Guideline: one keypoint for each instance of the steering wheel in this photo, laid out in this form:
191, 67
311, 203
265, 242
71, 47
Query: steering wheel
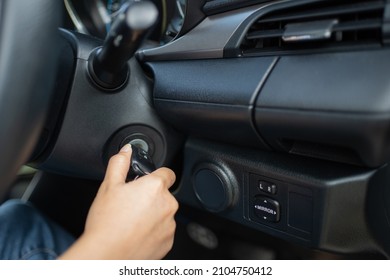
28, 63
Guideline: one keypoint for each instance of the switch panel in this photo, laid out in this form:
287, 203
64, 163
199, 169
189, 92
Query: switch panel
280, 205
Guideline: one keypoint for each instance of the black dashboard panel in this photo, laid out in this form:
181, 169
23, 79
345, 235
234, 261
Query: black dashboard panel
337, 100
354, 82
219, 101
218, 81
325, 107
331, 106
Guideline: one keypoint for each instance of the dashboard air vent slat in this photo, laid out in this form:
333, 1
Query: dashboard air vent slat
319, 25
362, 25
334, 9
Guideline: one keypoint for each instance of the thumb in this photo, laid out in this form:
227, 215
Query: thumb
118, 166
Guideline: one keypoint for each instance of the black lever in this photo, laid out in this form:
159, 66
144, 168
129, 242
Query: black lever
108, 65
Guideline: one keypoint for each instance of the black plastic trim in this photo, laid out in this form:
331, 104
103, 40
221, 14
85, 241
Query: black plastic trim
216, 97
336, 199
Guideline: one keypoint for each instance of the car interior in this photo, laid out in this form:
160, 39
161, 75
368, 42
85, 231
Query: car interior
274, 115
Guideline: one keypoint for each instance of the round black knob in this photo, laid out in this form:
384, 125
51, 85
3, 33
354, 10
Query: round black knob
213, 188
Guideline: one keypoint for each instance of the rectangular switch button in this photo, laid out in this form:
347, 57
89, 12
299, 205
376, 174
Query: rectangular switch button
267, 187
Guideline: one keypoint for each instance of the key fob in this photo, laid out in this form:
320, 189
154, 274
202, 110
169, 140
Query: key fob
141, 162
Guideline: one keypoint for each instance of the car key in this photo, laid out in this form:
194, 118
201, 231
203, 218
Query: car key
141, 162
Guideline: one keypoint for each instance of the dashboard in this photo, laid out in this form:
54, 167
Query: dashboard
279, 111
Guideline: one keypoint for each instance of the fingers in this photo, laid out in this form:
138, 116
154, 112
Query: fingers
163, 176
118, 166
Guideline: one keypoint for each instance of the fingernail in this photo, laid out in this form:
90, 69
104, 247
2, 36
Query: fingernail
126, 148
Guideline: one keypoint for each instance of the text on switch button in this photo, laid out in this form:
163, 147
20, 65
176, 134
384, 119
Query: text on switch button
267, 187
267, 209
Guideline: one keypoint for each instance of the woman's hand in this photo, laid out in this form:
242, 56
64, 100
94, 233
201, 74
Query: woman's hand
133, 220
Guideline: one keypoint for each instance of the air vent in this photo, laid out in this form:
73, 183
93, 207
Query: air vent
329, 25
